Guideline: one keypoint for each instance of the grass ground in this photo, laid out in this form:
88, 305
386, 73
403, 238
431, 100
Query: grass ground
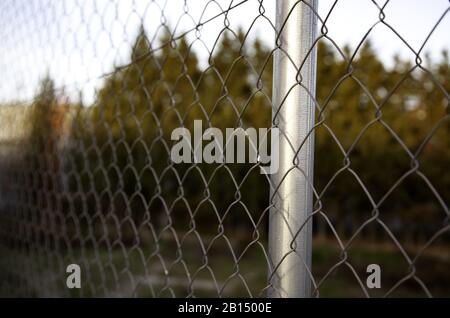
126, 271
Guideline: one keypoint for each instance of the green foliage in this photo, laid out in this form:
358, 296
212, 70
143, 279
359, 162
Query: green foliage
372, 132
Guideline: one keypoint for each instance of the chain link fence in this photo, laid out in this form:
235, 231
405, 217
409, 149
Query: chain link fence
92, 91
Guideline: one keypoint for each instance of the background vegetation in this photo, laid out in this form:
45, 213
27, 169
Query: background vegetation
106, 183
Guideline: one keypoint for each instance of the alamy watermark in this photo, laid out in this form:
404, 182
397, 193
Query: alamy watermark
239, 146
73, 279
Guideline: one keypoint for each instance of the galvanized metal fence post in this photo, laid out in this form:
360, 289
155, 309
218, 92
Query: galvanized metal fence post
290, 230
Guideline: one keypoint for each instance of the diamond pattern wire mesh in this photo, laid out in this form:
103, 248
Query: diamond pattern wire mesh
86, 175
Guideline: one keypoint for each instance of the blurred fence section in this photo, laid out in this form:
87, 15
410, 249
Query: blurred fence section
91, 92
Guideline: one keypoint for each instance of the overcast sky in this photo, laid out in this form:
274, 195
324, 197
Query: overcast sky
77, 41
